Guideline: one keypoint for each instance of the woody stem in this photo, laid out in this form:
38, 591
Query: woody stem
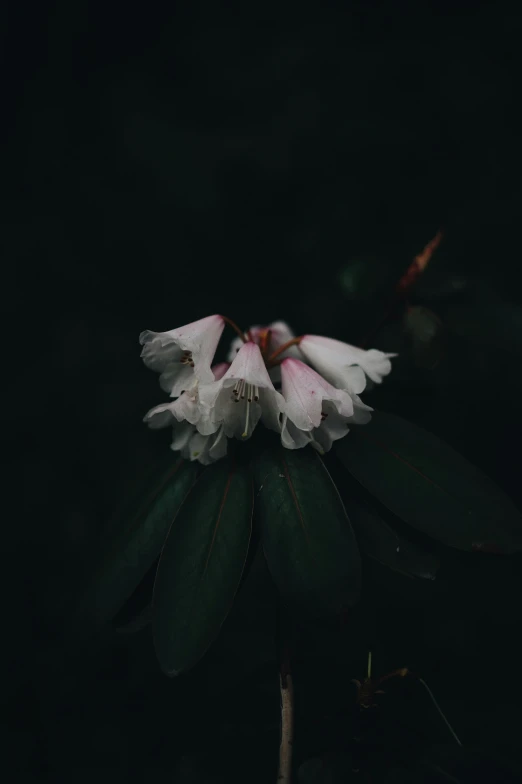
235, 328
277, 352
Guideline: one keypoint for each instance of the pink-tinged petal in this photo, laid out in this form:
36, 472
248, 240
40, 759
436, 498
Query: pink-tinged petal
199, 337
219, 370
332, 359
236, 343
304, 391
240, 410
160, 416
249, 366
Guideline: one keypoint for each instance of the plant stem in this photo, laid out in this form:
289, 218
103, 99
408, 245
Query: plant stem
284, 775
434, 701
277, 352
235, 328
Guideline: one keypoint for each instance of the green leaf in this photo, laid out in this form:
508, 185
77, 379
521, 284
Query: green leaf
308, 542
130, 549
201, 566
431, 487
379, 541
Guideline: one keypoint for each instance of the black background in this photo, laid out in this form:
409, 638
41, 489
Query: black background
163, 163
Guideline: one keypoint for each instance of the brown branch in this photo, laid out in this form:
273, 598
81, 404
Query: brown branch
277, 352
235, 328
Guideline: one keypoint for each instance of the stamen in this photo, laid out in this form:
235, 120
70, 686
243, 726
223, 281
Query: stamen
256, 393
245, 433
249, 393
242, 390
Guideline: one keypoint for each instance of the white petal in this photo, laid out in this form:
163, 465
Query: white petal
304, 391
209, 393
218, 448
272, 406
280, 334
199, 337
292, 437
187, 407
376, 364
332, 358
234, 348
176, 378
354, 380
241, 418
333, 427
157, 351
361, 412
159, 416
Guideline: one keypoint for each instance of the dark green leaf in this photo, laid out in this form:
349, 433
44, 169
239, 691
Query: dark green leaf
427, 484
201, 566
129, 551
380, 542
307, 538
137, 623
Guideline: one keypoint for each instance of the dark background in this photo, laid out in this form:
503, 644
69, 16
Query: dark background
162, 163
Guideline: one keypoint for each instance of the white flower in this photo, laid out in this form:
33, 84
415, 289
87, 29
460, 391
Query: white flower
242, 396
183, 353
194, 446
186, 407
333, 359
304, 392
317, 413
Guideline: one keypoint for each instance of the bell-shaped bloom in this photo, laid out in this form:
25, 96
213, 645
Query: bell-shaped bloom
333, 359
183, 353
241, 397
317, 413
273, 336
306, 393
333, 426
186, 407
194, 446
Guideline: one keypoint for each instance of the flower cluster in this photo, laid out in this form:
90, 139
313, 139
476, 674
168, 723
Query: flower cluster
306, 389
